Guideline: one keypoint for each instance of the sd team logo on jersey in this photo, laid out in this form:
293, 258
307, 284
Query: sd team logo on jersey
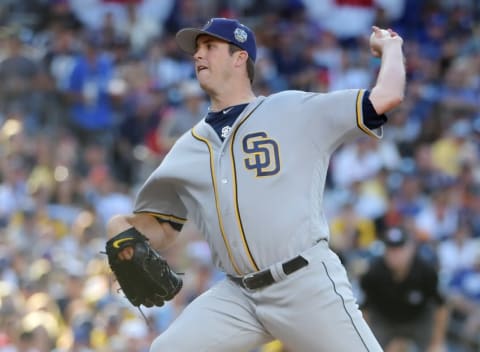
263, 154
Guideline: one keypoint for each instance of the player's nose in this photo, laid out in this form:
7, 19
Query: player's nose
198, 54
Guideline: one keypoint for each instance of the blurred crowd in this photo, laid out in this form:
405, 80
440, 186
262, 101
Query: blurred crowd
93, 94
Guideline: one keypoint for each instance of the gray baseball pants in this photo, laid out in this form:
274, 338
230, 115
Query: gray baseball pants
310, 310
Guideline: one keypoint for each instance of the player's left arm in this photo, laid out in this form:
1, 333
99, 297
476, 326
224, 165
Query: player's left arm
389, 89
160, 234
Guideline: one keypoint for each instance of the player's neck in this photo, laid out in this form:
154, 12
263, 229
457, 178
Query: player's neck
223, 100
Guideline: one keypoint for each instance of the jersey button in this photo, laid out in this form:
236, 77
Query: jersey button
224, 181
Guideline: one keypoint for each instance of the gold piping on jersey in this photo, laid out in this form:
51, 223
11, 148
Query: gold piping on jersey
235, 193
359, 111
217, 205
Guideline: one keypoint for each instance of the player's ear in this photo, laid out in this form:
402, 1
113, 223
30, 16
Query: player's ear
241, 57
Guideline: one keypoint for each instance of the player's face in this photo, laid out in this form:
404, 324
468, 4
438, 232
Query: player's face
213, 63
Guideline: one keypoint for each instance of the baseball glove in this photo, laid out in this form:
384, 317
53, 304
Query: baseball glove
146, 279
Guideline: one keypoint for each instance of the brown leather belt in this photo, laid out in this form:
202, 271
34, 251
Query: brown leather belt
265, 278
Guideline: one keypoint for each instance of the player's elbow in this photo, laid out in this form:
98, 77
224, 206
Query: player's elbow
393, 102
386, 102
398, 98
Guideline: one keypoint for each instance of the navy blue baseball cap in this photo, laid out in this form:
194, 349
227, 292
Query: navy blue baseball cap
229, 30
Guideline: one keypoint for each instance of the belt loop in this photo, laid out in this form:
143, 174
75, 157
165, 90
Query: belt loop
277, 272
311, 253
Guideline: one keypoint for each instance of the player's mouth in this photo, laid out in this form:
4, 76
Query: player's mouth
201, 68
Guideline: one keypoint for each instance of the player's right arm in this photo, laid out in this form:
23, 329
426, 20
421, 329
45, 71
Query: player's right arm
389, 89
160, 234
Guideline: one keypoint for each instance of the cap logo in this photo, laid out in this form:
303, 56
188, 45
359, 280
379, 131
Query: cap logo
240, 35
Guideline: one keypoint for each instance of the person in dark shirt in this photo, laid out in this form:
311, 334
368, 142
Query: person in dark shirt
402, 301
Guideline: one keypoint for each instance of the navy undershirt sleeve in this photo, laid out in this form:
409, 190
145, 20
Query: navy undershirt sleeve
175, 225
370, 117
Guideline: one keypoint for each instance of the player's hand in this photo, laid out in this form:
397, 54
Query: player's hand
146, 279
381, 38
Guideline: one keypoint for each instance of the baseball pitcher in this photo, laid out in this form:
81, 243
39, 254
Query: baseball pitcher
251, 176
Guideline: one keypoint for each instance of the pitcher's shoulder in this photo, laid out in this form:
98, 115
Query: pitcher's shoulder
287, 96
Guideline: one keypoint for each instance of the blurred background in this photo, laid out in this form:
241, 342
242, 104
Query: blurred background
93, 93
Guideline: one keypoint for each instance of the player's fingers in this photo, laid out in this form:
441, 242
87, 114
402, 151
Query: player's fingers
379, 33
392, 33
126, 253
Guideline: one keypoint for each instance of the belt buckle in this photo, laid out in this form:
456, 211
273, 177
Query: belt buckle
245, 278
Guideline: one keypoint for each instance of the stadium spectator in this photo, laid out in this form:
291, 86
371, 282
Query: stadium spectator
464, 298
458, 252
89, 95
17, 73
178, 120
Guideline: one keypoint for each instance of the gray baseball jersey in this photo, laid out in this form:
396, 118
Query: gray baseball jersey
257, 196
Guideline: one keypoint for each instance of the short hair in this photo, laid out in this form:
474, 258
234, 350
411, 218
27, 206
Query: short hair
250, 64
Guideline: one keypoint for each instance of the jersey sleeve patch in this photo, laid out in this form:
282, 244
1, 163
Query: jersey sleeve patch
367, 118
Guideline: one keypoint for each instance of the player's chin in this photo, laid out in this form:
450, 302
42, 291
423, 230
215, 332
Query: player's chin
204, 83
201, 72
